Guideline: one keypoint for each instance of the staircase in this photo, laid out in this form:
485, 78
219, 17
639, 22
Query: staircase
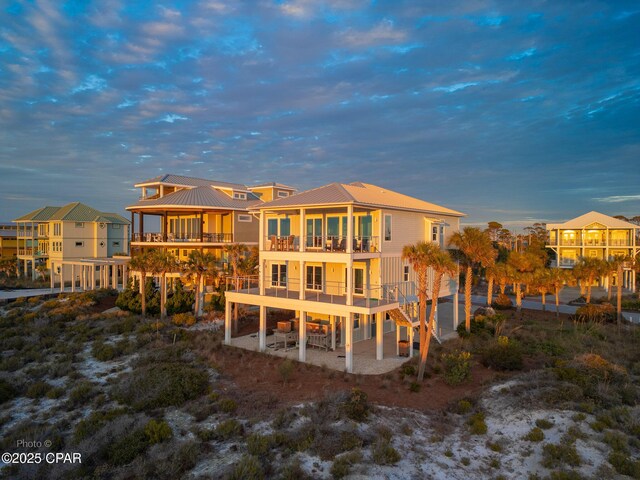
400, 316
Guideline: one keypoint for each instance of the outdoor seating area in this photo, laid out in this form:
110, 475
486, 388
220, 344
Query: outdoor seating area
287, 334
329, 243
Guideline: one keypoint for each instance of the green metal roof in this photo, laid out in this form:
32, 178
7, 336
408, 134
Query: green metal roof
40, 215
73, 212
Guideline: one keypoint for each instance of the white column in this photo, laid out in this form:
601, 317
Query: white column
114, 276
380, 335
303, 280
62, 277
52, 276
411, 332
227, 323
261, 231
125, 276
263, 328
350, 229
92, 277
33, 268
332, 319
302, 232
302, 337
73, 277
348, 344
398, 341
455, 308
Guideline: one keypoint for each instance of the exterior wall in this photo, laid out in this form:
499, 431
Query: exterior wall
8, 247
267, 194
245, 232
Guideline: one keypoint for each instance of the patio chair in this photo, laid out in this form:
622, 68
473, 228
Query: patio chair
290, 242
343, 245
273, 241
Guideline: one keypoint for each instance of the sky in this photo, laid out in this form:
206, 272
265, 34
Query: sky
505, 110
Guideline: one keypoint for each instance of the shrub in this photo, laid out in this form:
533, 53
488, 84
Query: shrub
505, 356
38, 389
285, 369
248, 468
183, 319
617, 441
55, 392
357, 406
414, 387
502, 302
625, 465
603, 313
457, 367
227, 405
477, 425
157, 432
104, 351
7, 391
383, 453
258, 445
535, 435
408, 369
341, 466
227, 429
161, 385
544, 424
94, 422
179, 300
83, 392
126, 449
464, 406
555, 455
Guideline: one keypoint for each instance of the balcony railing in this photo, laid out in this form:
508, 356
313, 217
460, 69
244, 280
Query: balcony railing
31, 252
322, 243
619, 243
327, 292
172, 237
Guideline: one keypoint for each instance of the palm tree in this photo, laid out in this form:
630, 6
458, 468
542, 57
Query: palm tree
490, 275
542, 284
522, 265
198, 266
609, 269
235, 252
557, 278
162, 263
501, 274
588, 269
142, 263
421, 256
477, 249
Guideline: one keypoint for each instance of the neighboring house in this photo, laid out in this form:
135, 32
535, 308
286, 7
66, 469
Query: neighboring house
8, 241
334, 256
56, 235
594, 235
195, 213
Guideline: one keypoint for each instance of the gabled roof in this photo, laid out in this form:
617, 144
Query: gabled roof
199, 197
72, 212
358, 193
590, 218
40, 215
180, 180
274, 185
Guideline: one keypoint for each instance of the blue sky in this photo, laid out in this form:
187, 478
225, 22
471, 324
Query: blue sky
505, 111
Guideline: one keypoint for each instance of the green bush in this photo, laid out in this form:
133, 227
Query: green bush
179, 300
126, 449
227, 405
38, 389
227, 429
502, 302
535, 435
556, 455
463, 406
544, 424
503, 356
414, 387
161, 385
286, 369
104, 351
383, 453
625, 465
183, 319
157, 432
617, 441
603, 313
82, 393
94, 422
7, 391
258, 445
248, 468
477, 425
341, 466
457, 367
129, 298
357, 405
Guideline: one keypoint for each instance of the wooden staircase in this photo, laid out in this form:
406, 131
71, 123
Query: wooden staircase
401, 317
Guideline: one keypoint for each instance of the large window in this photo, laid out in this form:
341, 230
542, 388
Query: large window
314, 277
387, 228
57, 229
358, 280
278, 275
364, 226
314, 232
280, 227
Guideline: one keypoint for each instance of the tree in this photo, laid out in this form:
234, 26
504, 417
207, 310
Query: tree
609, 269
162, 263
142, 263
587, 270
476, 249
542, 284
235, 252
422, 256
490, 275
501, 275
200, 265
557, 278
619, 262
493, 229
521, 266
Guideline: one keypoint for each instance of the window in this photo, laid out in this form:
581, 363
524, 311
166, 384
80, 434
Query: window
116, 226
358, 280
356, 321
278, 275
434, 233
314, 277
239, 195
79, 244
314, 232
244, 218
283, 194
405, 276
57, 228
593, 253
79, 224
115, 244
279, 227
387, 228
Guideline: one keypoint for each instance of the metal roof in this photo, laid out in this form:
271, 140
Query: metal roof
590, 218
199, 197
273, 184
40, 215
359, 194
180, 180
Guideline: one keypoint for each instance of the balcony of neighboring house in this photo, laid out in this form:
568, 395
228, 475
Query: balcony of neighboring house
182, 238
327, 292
31, 252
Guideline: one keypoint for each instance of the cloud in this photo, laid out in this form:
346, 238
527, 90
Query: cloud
383, 33
618, 198
91, 82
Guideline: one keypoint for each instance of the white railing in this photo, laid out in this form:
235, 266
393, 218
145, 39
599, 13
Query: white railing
322, 243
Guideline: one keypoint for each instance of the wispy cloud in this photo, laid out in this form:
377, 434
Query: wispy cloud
618, 198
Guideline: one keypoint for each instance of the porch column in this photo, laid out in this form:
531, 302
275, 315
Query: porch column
380, 336
114, 278
303, 280
343, 332
263, 328
350, 229
348, 344
125, 278
302, 337
73, 278
51, 276
455, 308
302, 232
366, 324
332, 320
349, 286
62, 277
227, 323
93, 277
101, 276
398, 341
33, 267
411, 332
435, 318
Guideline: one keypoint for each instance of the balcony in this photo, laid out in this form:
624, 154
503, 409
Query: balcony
619, 243
329, 292
326, 243
178, 238
31, 252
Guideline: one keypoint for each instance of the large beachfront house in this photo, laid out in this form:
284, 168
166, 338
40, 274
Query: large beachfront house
594, 235
195, 213
333, 255
55, 237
